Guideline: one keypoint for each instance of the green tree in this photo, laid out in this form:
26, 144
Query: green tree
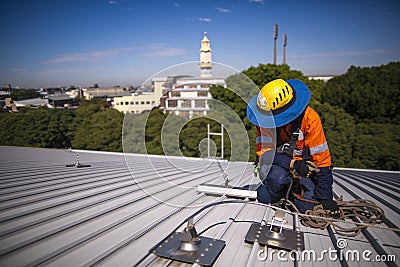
369, 94
376, 146
133, 134
340, 131
102, 131
193, 138
28, 127
154, 125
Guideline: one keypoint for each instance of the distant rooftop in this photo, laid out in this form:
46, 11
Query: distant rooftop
33, 102
325, 78
59, 97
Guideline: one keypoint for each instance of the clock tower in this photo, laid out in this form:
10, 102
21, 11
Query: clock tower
205, 57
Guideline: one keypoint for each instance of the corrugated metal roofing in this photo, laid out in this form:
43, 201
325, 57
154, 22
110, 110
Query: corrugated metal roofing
100, 215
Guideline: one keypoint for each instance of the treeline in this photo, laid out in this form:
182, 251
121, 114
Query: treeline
359, 111
366, 133
92, 126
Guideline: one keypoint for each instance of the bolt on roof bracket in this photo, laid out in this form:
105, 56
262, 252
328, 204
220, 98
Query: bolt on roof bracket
189, 238
188, 247
77, 164
275, 235
278, 220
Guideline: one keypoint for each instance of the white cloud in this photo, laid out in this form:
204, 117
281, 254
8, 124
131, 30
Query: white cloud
113, 2
152, 50
176, 4
204, 19
96, 55
160, 50
257, 1
223, 10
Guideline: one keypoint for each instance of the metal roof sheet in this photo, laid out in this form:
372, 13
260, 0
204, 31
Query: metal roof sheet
60, 97
33, 102
113, 212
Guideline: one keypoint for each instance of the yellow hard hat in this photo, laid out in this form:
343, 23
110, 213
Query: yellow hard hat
278, 103
274, 95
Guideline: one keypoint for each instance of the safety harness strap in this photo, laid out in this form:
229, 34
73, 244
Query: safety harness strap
288, 148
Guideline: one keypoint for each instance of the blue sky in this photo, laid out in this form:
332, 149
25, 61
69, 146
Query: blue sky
123, 42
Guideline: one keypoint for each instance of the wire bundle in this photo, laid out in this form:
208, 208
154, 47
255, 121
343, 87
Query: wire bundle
365, 210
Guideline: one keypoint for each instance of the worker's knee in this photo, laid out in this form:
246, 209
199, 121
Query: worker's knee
276, 182
278, 176
263, 195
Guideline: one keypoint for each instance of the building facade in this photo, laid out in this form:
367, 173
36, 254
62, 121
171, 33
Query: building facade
140, 101
188, 97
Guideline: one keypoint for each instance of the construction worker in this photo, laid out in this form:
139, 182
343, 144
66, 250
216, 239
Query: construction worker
291, 144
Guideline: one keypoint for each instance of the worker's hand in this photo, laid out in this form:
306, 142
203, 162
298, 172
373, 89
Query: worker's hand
301, 168
331, 207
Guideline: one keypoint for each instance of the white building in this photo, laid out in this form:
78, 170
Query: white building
324, 78
188, 96
141, 101
205, 57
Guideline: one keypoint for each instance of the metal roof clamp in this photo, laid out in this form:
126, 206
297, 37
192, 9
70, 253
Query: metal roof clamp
190, 241
188, 247
275, 235
276, 226
77, 164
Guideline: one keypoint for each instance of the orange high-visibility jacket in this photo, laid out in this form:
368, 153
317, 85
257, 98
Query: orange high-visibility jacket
311, 140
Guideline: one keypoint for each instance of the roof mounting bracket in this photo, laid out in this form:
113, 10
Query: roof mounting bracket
275, 235
188, 247
77, 164
278, 220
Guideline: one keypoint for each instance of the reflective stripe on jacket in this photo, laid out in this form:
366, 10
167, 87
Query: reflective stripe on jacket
311, 139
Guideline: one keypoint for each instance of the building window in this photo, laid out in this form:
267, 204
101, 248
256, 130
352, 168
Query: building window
147, 102
117, 103
202, 93
187, 104
142, 103
122, 103
132, 103
127, 103
172, 103
137, 103
153, 102
200, 103
175, 94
